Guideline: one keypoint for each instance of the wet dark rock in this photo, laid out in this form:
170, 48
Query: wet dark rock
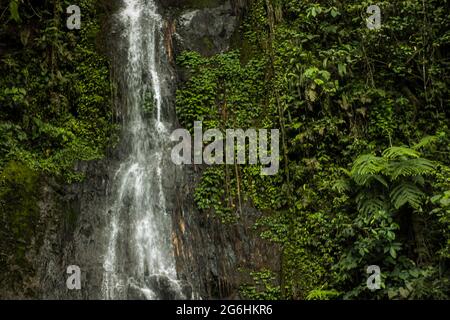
214, 257
206, 31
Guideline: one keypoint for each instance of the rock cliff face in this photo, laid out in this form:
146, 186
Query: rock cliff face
207, 31
216, 258
212, 259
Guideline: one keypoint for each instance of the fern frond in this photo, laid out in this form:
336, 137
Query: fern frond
424, 142
367, 164
345, 171
368, 204
367, 179
410, 167
362, 179
406, 193
418, 180
393, 153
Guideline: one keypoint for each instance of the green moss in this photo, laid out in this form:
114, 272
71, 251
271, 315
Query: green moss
19, 187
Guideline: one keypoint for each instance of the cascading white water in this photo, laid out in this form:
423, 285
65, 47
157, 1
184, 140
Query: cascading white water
139, 261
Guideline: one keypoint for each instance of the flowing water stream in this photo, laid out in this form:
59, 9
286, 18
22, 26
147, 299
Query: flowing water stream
139, 261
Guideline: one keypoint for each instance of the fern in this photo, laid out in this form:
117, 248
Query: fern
400, 153
418, 180
425, 142
406, 193
366, 179
369, 203
410, 167
400, 170
368, 164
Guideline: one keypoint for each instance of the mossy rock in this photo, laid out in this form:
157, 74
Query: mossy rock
19, 187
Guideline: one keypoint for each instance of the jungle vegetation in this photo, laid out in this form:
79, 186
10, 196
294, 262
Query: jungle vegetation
364, 118
55, 110
365, 141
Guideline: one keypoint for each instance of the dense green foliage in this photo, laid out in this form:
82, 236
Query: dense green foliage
55, 109
364, 119
55, 89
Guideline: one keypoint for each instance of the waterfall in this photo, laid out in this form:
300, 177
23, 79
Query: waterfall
139, 261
